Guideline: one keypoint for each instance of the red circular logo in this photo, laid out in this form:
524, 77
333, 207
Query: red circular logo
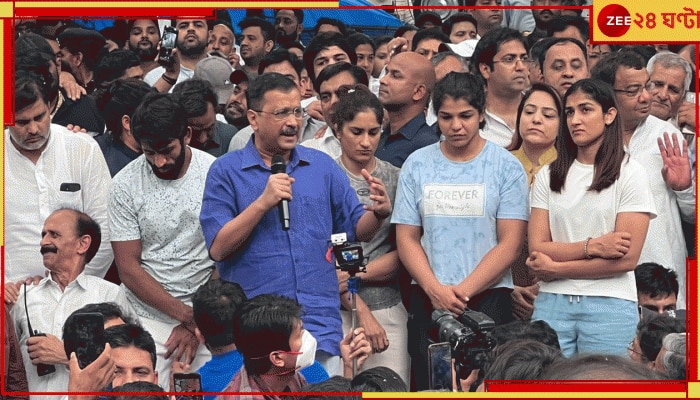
614, 20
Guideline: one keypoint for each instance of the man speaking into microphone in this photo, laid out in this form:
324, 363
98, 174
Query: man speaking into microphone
246, 234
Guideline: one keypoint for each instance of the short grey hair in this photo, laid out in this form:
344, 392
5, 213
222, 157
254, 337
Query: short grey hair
668, 59
441, 56
674, 360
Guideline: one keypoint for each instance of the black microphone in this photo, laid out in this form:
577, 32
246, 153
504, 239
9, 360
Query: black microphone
279, 167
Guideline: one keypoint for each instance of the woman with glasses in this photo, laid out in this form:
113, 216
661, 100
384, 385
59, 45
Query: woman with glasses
537, 126
461, 212
357, 119
590, 213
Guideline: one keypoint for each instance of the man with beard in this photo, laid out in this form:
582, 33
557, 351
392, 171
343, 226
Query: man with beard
190, 47
404, 92
501, 59
46, 168
154, 209
237, 104
198, 98
486, 20
34, 53
288, 26
79, 51
258, 41
223, 41
69, 240
144, 35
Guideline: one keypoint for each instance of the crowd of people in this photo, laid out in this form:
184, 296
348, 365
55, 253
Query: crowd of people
500, 164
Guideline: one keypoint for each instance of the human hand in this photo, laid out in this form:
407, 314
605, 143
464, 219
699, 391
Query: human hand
73, 90
343, 277
316, 112
234, 58
279, 187
676, 170
375, 333
396, 46
95, 377
355, 346
541, 266
381, 205
444, 297
76, 128
182, 343
611, 245
46, 350
523, 299
12, 292
177, 367
686, 115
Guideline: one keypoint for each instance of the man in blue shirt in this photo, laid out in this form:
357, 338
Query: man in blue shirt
405, 91
240, 221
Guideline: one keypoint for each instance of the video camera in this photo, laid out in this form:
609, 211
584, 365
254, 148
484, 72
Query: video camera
470, 338
349, 255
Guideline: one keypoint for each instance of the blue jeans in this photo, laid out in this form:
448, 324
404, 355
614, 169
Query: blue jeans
589, 324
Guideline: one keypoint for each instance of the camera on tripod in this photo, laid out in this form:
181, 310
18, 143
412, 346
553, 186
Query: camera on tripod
470, 338
349, 255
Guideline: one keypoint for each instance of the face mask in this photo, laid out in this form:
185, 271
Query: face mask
307, 351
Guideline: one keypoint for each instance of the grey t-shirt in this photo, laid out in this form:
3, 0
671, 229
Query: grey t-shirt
384, 295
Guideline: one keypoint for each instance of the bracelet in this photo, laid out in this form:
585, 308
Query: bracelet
585, 248
188, 329
170, 81
379, 216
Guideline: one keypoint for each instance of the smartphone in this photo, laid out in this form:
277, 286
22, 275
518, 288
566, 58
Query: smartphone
440, 367
188, 382
69, 187
89, 337
167, 44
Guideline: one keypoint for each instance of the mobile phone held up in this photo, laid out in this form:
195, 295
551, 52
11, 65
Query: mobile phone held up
167, 44
88, 339
188, 383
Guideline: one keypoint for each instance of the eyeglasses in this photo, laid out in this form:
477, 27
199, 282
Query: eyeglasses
636, 90
631, 350
511, 60
657, 85
284, 113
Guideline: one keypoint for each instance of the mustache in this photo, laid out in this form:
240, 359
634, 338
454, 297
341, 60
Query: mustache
48, 249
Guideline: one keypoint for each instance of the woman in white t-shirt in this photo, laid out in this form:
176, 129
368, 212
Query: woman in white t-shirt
590, 213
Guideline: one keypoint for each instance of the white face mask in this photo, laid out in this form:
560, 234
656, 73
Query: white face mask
307, 350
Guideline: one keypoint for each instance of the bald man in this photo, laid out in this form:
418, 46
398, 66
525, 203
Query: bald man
404, 92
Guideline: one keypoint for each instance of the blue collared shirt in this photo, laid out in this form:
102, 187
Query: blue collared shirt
397, 146
289, 263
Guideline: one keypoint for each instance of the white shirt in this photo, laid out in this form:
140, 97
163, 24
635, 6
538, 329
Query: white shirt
328, 144
665, 243
496, 130
152, 77
577, 213
48, 309
164, 216
32, 192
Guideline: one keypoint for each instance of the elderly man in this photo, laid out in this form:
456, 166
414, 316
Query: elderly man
242, 226
46, 168
69, 240
661, 149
